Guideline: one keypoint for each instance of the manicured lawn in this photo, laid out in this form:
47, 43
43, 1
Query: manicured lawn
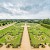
39, 35
12, 35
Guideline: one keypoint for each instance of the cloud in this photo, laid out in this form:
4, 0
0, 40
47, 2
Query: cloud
25, 9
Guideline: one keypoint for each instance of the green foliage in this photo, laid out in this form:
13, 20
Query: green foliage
5, 22
46, 21
49, 44
1, 45
12, 35
39, 35
43, 46
36, 45
45, 25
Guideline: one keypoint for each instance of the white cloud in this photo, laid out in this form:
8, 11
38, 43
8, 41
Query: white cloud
5, 16
40, 15
25, 9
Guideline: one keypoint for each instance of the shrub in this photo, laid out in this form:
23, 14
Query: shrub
8, 46
5, 43
49, 44
0, 24
43, 46
1, 45
36, 45
14, 46
45, 25
3, 24
45, 43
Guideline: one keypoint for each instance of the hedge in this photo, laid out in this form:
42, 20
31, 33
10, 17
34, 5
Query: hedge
45, 25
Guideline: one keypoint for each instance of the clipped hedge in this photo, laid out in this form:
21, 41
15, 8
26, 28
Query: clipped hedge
45, 25
43, 46
36, 45
49, 44
8, 46
1, 45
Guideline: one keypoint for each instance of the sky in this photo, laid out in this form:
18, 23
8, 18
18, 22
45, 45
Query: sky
24, 9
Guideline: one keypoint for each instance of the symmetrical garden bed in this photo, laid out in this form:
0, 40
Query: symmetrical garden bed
39, 35
11, 36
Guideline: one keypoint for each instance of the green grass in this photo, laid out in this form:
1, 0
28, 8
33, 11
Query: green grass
38, 34
12, 35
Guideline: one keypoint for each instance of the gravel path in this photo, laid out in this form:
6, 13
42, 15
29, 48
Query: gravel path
25, 45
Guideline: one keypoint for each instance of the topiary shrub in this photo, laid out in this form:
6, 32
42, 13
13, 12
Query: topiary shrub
5, 42
45, 25
43, 46
3, 24
49, 44
45, 43
8, 46
36, 45
15, 46
0, 24
1, 45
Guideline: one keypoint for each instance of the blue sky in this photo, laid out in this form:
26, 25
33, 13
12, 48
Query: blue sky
24, 9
